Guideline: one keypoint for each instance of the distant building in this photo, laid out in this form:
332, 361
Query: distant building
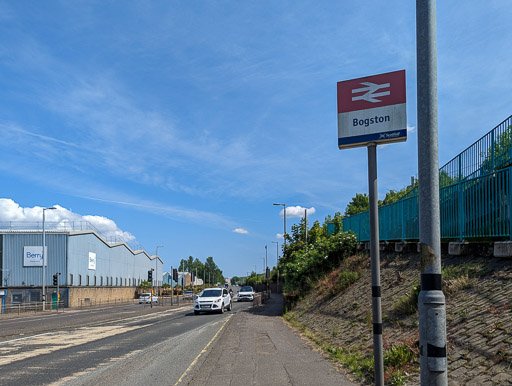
167, 279
91, 268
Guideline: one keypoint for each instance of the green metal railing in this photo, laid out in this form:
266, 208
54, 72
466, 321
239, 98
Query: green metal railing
475, 196
491, 152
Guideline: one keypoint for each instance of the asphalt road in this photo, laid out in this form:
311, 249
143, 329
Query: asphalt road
114, 346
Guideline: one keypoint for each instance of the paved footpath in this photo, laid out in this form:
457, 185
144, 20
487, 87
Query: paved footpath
258, 348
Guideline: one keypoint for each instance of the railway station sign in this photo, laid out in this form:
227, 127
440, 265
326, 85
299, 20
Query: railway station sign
372, 109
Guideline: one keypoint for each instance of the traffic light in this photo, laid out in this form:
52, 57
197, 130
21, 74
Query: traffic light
55, 279
150, 275
175, 275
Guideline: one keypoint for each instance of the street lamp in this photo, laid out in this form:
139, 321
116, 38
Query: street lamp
262, 258
266, 266
156, 264
277, 262
44, 257
284, 234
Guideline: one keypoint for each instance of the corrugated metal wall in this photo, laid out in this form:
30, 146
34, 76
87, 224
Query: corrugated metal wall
116, 265
14, 274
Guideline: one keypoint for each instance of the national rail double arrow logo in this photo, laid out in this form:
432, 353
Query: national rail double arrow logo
371, 93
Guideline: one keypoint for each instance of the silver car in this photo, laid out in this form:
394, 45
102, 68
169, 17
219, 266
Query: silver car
246, 293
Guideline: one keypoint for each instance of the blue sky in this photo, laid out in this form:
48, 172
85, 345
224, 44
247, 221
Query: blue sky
175, 123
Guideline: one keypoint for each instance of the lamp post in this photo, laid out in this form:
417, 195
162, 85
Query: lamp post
44, 257
284, 234
262, 258
156, 265
277, 262
266, 266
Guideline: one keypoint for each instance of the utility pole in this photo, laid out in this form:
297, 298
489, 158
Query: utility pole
431, 300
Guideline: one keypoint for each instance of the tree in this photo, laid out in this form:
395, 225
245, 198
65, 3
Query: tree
337, 220
360, 203
144, 284
498, 155
393, 196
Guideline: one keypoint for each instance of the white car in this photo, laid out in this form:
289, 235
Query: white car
146, 298
246, 293
213, 300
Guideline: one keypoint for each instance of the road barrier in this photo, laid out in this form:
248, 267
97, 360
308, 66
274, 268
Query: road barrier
32, 307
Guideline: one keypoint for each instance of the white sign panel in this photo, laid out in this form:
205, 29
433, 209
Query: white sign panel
92, 260
372, 109
33, 256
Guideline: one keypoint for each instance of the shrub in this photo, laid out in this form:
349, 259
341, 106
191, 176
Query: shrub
346, 279
408, 304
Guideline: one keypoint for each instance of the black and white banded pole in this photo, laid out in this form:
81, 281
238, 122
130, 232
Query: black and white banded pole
375, 264
431, 301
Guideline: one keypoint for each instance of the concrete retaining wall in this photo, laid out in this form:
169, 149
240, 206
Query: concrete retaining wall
80, 296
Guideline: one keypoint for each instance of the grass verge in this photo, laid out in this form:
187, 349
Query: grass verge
398, 358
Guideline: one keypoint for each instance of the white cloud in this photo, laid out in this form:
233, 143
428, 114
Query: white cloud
11, 211
297, 211
410, 129
279, 236
241, 231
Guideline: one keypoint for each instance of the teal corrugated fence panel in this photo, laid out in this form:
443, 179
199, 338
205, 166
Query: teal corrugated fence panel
449, 211
411, 219
474, 196
486, 205
359, 224
475, 208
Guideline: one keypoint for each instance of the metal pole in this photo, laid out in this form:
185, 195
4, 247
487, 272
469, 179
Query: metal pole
284, 234
156, 267
266, 267
284, 248
58, 293
44, 258
277, 263
375, 263
306, 224
431, 300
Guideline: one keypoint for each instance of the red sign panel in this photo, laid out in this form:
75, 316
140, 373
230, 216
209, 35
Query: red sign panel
371, 91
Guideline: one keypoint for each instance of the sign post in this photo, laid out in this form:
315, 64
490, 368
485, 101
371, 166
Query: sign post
372, 110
